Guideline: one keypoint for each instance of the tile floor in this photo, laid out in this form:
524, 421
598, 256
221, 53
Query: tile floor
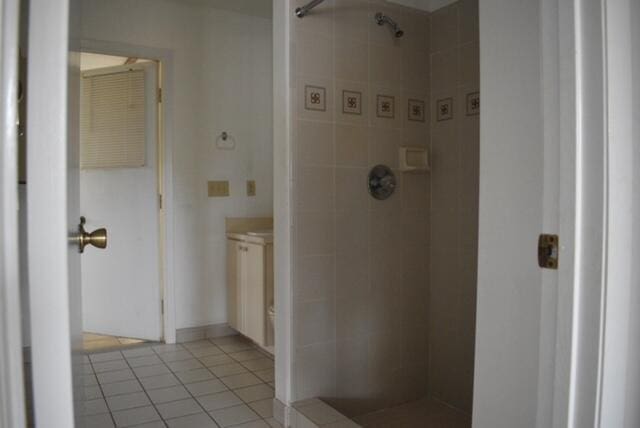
92, 342
424, 413
223, 382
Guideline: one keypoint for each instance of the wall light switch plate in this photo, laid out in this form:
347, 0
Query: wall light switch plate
251, 187
217, 188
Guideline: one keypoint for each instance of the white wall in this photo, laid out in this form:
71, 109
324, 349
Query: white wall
211, 51
510, 215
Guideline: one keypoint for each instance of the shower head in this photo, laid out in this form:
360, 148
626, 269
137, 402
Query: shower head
382, 19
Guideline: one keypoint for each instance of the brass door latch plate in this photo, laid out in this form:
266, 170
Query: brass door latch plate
548, 251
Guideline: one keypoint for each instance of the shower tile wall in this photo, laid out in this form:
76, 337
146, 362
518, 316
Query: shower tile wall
454, 213
361, 277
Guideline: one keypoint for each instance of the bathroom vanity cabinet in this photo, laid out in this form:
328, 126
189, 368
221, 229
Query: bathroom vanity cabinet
250, 285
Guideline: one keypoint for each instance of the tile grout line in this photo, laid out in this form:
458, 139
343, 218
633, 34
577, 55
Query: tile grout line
143, 390
104, 398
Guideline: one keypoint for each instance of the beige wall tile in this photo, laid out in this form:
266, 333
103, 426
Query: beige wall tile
444, 71
316, 370
314, 190
351, 60
385, 65
353, 319
315, 278
351, 20
315, 233
351, 145
468, 21
352, 385
316, 322
313, 55
352, 278
469, 64
314, 143
415, 71
351, 190
444, 28
383, 146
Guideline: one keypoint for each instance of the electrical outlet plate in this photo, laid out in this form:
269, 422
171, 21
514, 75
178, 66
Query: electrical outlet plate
251, 188
217, 189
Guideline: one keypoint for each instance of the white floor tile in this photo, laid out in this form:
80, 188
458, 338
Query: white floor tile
179, 408
162, 381
263, 407
105, 356
199, 420
115, 376
206, 387
254, 393
128, 401
143, 361
102, 420
196, 375
165, 395
218, 401
137, 416
109, 366
184, 365
147, 371
234, 415
94, 407
124, 387
241, 380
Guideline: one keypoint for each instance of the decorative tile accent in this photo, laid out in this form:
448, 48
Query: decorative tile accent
416, 110
473, 103
444, 109
352, 102
385, 106
315, 98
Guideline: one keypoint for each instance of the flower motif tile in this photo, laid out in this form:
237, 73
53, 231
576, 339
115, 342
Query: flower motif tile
315, 98
385, 106
473, 103
415, 110
352, 102
444, 109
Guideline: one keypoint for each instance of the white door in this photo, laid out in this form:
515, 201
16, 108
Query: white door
53, 215
121, 285
12, 412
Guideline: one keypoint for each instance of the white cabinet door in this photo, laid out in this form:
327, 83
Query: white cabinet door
253, 287
234, 249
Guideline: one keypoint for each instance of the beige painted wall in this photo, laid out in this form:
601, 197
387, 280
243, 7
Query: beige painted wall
454, 204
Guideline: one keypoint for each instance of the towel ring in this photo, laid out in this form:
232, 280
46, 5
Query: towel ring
225, 141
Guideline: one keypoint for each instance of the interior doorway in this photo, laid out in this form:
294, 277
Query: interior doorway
120, 178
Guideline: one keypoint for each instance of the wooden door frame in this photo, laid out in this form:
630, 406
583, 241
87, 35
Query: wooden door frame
164, 57
12, 408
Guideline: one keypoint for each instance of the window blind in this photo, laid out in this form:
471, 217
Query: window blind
112, 120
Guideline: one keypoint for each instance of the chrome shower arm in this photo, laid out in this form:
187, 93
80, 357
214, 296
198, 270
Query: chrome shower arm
302, 11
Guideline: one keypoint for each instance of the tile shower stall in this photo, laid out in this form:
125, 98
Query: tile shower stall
384, 291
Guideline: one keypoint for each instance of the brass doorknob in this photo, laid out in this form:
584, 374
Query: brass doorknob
97, 238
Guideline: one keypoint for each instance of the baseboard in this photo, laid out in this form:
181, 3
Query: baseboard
203, 332
313, 413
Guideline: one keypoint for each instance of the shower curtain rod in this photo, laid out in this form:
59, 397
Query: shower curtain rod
302, 11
